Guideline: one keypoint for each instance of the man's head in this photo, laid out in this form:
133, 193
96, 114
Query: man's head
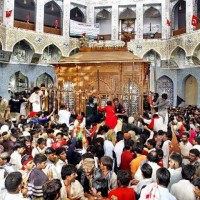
50, 154
36, 90
123, 178
106, 163
188, 172
88, 165
51, 189
193, 155
116, 101
175, 160
151, 143
27, 162
40, 161
185, 137
4, 158
152, 156
164, 96
146, 170
68, 172
61, 153
13, 182
163, 177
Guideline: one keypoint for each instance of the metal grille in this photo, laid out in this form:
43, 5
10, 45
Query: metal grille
131, 98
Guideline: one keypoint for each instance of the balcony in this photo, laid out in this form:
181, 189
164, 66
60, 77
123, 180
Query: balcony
24, 25
179, 31
52, 30
152, 36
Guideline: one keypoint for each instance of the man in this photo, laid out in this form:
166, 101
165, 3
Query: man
13, 186
119, 109
184, 189
3, 108
51, 189
195, 161
163, 104
165, 148
37, 177
151, 144
185, 147
91, 111
158, 190
122, 192
35, 99
64, 115
196, 143
71, 188
175, 169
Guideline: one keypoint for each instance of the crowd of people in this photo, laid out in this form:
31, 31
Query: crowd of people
100, 154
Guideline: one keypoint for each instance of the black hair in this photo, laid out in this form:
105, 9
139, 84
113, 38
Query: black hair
67, 170
107, 161
25, 157
123, 176
51, 189
60, 133
60, 150
195, 152
197, 139
109, 103
164, 96
19, 145
186, 134
50, 130
39, 158
120, 135
146, 170
153, 156
40, 140
138, 147
176, 157
12, 181
87, 155
152, 142
188, 172
160, 153
36, 89
196, 182
163, 176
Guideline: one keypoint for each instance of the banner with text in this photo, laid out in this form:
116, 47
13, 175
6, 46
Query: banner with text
78, 28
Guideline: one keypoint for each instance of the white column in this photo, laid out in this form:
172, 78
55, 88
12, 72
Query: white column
165, 16
8, 5
90, 14
39, 16
66, 18
139, 21
115, 22
189, 12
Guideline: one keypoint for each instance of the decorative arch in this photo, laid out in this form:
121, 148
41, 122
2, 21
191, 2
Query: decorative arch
166, 85
25, 12
53, 18
51, 53
22, 52
77, 15
73, 51
25, 40
18, 82
127, 13
103, 17
178, 55
153, 56
196, 52
152, 21
178, 15
46, 79
191, 90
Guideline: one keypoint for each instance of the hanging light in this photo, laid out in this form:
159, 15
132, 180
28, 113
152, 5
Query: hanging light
52, 7
25, 2
76, 15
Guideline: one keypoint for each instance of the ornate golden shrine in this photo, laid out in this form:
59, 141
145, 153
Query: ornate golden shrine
106, 73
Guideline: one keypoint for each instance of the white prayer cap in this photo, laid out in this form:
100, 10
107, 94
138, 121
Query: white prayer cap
4, 128
131, 119
26, 133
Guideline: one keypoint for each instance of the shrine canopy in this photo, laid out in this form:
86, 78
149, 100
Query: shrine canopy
109, 56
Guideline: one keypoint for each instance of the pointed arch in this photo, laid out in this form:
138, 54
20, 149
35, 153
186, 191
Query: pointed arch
53, 45
152, 21
196, 52
77, 15
103, 17
127, 13
53, 18
178, 55
178, 15
46, 79
166, 85
153, 56
27, 42
190, 90
51, 53
18, 82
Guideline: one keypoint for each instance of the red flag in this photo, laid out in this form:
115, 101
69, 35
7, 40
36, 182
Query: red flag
8, 13
56, 22
28, 17
194, 20
169, 22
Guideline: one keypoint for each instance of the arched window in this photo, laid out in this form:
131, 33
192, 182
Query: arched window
18, 83
77, 15
52, 18
45, 79
179, 56
25, 14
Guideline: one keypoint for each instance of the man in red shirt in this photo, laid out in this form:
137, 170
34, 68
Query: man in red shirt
123, 192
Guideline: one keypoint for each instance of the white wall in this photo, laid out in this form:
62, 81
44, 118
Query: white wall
153, 21
105, 27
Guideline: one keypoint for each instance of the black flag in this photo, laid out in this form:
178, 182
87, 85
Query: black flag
179, 101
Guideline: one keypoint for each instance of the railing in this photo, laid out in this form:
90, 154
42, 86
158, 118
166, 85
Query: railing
179, 31
24, 25
126, 37
152, 36
52, 30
